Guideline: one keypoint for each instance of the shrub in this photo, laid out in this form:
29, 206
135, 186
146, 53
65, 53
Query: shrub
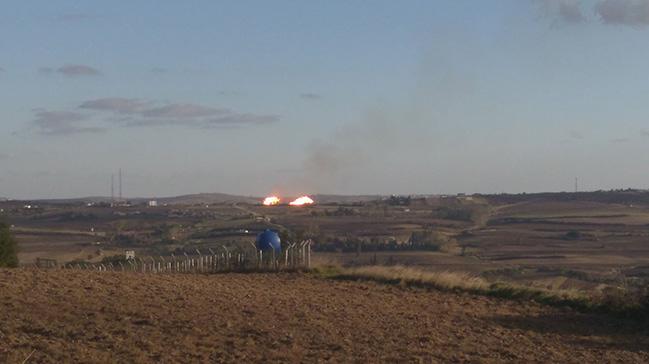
115, 259
453, 213
8, 248
573, 235
644, 301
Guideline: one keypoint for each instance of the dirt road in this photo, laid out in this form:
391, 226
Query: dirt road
67, 316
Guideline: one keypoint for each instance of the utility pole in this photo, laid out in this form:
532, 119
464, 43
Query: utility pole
112, 188
120, 185
576, 184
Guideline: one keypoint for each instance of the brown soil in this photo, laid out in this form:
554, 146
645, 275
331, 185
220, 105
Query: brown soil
71, 316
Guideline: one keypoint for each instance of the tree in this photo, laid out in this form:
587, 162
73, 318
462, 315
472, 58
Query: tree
8, 254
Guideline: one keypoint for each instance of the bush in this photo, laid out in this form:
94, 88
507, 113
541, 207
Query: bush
573, 235
453, 213
115, 259
644, 301
8, 248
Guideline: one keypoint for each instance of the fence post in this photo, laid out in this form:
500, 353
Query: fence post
273, 257
304, 262
227, 257
212, 260
308, 259
200, 261
288, 248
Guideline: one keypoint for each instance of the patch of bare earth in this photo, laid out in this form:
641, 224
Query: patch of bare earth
71, 316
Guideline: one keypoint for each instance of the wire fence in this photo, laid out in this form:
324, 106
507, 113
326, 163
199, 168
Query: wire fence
295, 256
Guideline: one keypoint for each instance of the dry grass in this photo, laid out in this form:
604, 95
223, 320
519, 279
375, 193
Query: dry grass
462, 282
411, 276
630, 304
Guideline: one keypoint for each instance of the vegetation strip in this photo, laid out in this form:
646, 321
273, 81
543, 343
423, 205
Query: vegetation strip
623, 305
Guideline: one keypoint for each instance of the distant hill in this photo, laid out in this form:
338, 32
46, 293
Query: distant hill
192, 199
65, 201
345, 198
625, 197
208, 198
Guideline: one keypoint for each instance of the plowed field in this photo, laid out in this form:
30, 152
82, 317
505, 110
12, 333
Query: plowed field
72, 316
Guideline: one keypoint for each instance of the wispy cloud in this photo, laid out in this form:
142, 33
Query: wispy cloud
182, 111
118, 105
624, 12
62, 123
75, 70
71, 70
565, 11
98, 115
226, 121
240, 119
310, 96
634, 13
140, 113
644, 132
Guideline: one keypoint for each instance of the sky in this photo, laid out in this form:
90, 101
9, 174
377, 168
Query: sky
348, 97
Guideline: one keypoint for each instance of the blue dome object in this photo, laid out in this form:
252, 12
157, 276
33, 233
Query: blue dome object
268, 240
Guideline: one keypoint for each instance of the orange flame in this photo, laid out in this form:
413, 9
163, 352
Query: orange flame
271, 200
301, 201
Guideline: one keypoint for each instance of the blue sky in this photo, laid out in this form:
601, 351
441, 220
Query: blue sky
290, 97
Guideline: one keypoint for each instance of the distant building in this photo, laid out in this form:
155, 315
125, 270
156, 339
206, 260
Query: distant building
153, 203
129, 254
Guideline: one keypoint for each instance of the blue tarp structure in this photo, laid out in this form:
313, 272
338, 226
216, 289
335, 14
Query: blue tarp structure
267, 240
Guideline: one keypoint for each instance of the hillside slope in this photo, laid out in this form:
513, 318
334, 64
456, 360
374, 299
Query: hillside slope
68, 316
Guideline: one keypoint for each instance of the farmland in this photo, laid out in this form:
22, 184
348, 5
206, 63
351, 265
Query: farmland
77, 316
592, 245
588, 241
